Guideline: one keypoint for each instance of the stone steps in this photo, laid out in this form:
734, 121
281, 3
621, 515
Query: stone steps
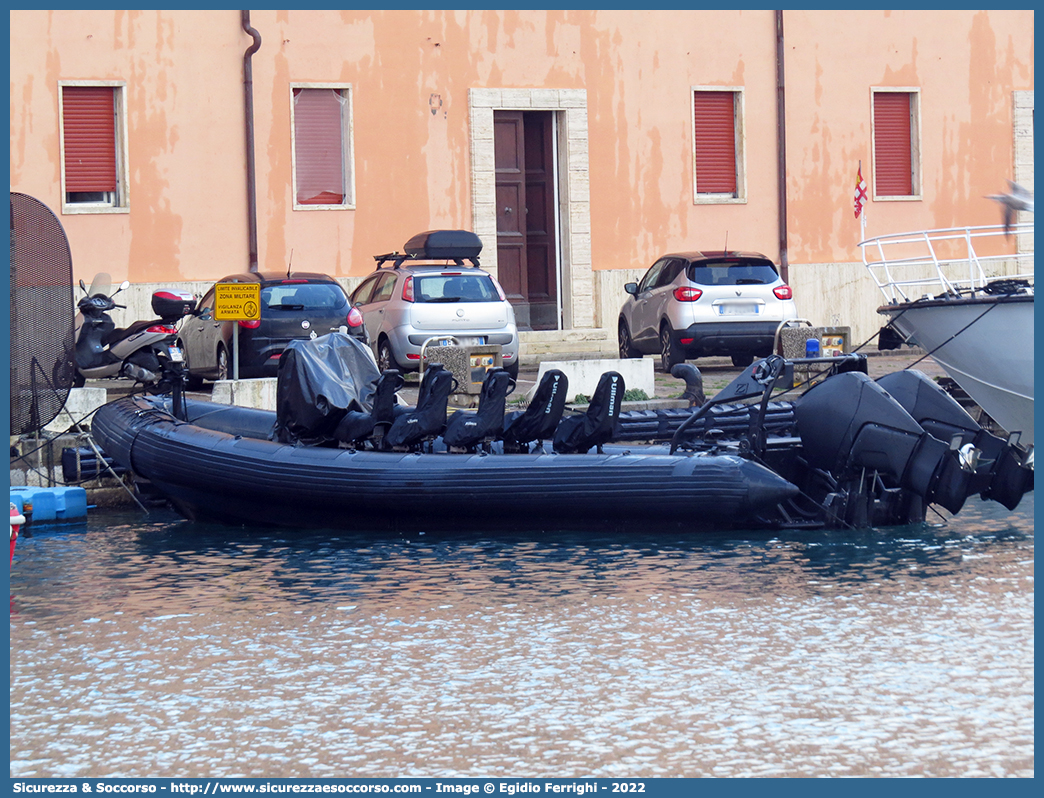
585, 344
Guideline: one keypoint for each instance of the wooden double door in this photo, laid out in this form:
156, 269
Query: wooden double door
527, 262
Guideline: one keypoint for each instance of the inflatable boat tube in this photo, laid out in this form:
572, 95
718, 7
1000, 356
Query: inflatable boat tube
232, 474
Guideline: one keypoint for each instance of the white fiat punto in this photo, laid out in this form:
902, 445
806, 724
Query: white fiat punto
434, 293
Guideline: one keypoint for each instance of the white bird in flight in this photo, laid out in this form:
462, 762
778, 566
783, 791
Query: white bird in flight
1018, 200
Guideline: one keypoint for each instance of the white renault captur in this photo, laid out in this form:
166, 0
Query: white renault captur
431, 292
698, 304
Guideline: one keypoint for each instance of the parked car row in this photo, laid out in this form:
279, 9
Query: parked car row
432, 293
687, 305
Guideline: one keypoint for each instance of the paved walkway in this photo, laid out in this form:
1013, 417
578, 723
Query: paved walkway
717, 373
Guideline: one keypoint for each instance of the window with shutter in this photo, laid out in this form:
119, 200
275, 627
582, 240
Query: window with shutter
717, 145
91, 142
896, 166
322, 147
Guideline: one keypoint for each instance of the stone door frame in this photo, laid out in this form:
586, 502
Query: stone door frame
574, 191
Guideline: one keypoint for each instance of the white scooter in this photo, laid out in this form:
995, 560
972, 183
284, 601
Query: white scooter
139, 352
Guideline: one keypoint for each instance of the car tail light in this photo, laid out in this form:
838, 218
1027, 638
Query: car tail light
407, 289
686, 293
162, 328
503, 297
685, 341
251, 324
293, 282
783, 292
411, 356
354, 317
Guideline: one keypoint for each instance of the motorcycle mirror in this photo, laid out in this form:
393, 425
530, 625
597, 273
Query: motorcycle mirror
83, 286
123, 286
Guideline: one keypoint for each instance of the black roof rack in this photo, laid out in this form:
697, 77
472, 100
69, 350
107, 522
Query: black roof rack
398, 257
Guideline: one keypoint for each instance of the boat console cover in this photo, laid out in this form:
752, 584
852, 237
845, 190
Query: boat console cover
318, 381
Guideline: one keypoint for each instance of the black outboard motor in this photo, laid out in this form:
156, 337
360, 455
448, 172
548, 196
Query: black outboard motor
597, 425
849, 423
467, 430
1002, 475
428, 420
538, 421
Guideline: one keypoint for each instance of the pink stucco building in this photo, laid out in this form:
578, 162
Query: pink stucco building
579, 145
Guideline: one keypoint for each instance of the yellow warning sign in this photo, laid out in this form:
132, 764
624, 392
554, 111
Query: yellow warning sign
237, 301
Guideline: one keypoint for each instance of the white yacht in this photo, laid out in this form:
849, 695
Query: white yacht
965, 295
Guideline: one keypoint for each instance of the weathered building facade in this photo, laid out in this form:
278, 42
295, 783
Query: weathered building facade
579, 145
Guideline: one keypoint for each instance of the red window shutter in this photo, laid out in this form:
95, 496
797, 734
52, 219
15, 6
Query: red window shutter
893, 148
715, 142
319, 146
89, 121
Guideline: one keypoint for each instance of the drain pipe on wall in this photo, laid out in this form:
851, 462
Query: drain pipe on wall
248, 90
781, 150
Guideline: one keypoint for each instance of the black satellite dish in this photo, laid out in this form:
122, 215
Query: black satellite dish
42, 316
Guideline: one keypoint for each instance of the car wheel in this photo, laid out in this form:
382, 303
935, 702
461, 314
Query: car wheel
627, 349
221, 372
385, 359
512, 369
742, 361
669, 354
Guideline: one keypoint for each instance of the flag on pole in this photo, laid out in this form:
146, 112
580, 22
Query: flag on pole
860, 191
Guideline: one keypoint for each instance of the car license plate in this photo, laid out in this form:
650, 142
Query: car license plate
737, 309
474, 340
175, 354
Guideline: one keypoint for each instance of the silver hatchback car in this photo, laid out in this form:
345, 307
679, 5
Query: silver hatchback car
433, 291
693, 304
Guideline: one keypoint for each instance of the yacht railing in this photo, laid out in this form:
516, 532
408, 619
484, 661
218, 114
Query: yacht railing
930, 263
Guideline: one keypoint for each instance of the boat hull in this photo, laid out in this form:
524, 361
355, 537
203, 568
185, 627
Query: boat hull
985, 344
213, 475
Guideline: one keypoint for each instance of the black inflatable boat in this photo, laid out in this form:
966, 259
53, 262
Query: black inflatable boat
340, 451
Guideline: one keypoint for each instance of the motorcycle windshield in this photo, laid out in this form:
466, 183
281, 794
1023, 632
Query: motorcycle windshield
101, 284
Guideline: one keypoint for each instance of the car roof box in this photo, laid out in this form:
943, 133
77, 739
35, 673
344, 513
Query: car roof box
445, 244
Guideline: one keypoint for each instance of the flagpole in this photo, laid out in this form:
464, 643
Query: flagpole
862, 216
860, 202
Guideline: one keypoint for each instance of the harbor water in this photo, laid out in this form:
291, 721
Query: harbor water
148, 646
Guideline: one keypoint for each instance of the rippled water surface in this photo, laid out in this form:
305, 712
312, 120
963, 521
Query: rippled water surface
148, 646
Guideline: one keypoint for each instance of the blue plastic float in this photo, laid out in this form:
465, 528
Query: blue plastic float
50, 505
